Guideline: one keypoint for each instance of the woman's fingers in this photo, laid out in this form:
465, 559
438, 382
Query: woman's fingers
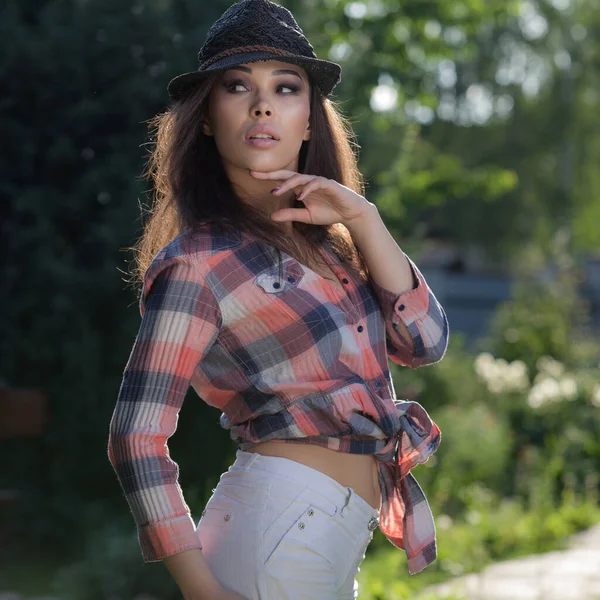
291, 179
293, 182
292, 214
315, 184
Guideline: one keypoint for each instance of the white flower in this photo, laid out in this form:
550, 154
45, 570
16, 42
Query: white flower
568, 387
517, 373
551, 366
500, 375
483, 363
595, 397
518, 369
496, 385
547, 389
474, 517
536, 398
551, 388
444, 521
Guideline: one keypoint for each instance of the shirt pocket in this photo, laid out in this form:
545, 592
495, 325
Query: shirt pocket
276, 329
285, 296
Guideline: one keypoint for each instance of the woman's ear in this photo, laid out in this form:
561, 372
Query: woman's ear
307, 133
206, 129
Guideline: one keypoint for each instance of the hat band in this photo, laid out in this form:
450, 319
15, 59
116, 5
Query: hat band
243, 49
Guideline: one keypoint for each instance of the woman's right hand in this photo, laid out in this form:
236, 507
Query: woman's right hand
192, 575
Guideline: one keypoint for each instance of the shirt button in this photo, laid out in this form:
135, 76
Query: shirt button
345, 280
401, 307
276, 285
378, 383
291, 279
360, 328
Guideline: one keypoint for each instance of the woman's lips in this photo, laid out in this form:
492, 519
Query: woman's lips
262, 142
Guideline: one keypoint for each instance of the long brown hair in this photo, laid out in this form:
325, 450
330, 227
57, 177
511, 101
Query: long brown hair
191, 188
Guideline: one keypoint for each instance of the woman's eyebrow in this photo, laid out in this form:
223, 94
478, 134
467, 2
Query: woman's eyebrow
286, 71
276, 72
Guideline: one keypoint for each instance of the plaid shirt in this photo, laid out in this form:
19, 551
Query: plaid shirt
284, 355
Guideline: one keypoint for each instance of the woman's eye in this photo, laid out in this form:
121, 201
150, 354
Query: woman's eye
238, 86
232, 86
292, 88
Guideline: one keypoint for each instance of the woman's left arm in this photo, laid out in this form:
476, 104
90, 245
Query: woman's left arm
416, 324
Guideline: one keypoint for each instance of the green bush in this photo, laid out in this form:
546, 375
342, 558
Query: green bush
111, 567
517, 468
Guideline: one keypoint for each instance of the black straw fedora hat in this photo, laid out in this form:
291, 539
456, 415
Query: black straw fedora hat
251, 31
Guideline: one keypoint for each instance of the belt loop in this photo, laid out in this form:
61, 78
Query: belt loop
347, 500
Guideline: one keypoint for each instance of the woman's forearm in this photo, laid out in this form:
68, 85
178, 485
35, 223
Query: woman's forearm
192, 575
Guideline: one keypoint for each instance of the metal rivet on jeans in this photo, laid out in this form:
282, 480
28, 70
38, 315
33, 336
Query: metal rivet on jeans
310, 512
373, 524
301, 525
227, 517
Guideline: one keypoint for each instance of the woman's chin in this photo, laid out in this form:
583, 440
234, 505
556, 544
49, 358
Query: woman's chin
268, 164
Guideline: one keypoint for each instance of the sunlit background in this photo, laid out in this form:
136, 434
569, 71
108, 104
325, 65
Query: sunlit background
479, 132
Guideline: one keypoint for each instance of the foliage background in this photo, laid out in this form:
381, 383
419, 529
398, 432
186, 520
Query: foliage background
478, 125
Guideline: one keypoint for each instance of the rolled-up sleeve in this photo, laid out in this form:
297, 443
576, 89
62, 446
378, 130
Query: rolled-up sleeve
180, 322
424, 318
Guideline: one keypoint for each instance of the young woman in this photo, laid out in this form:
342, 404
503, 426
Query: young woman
272, 286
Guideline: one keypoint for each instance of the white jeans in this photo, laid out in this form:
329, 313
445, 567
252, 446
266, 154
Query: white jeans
275, 529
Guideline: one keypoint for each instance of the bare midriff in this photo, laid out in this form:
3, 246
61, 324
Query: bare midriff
359, 471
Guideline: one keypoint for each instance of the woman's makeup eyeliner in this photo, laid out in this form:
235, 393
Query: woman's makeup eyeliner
230, 85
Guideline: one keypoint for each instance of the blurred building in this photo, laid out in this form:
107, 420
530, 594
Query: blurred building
470, 289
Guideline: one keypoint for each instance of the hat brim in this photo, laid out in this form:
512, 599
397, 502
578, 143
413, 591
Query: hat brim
326, 74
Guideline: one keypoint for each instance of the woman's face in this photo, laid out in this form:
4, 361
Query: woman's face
271, 96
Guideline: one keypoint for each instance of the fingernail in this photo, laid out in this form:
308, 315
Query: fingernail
299, 195
275, 189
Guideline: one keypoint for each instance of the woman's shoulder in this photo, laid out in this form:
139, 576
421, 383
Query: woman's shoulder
188, 254
184, 261
200, 243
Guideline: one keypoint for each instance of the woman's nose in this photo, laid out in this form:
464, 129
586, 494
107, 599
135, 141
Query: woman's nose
261, 106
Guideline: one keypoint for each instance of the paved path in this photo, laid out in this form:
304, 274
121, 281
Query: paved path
570, 574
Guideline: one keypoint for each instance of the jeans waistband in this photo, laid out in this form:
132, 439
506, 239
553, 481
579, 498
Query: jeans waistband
319, 482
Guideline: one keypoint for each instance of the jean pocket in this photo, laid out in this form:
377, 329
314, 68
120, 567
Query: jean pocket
301, 521
230, 502
240, 493
214, 516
